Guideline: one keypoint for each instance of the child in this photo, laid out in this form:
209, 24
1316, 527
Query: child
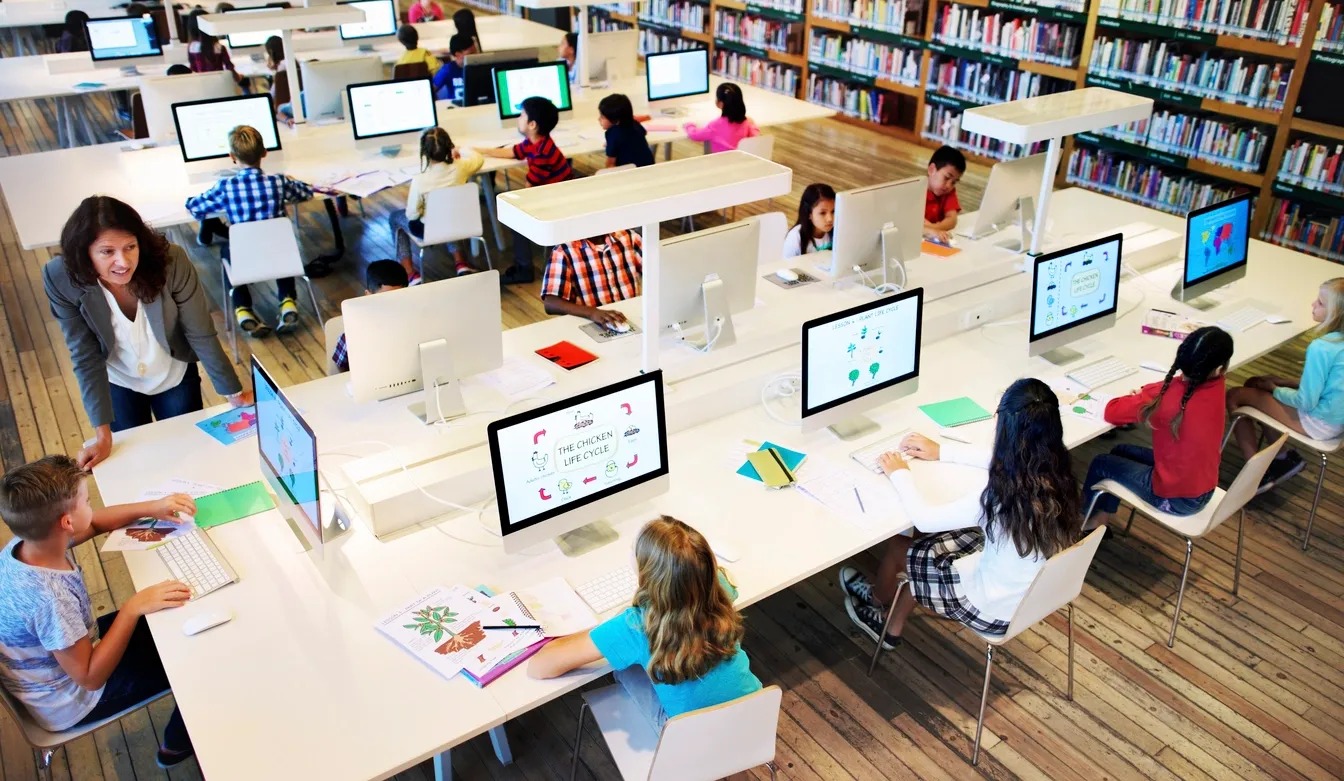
546, 164
1026, 513
724, 133
380, 277
464, 22
1312, 404
205, 52
1187, 415
247, 196
450, 80
941, 206
424, 11
441, 165
72, 36
569, 52
585, 274
178, 69
66, 669
626, 138
679, 647
275, 63
410, 38
816, 218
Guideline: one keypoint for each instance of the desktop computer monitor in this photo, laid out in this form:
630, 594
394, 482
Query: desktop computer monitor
706, 277
159, 94
203, 130
612, 55
873, 224
562, 466
249, 40
672, 77
406, 340
860, 358
478, 75
389, 113
380, 20
288, 450
324, 83
1074, 294
516, 83
123, 42
1217, 243
1010, 195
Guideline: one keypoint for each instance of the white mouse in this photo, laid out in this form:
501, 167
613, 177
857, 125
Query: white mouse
723, 550
1154, 366
199, 623
787, 274
618, 328
1277, 319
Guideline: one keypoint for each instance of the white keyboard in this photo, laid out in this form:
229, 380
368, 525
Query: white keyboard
614, 589
867, 455
194, 560
1241, 319
1102, 372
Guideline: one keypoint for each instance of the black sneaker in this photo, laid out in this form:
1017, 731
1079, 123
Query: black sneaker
516, 275
870, 619
168, 758
856, 585
1281, 469
204, 235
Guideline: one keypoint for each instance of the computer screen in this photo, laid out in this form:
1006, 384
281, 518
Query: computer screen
122, 38
861, 350
1075, 286
574, 452
384, 108
380, 18
1216, 239
244, 40
287, 445
203, 125
516, 83
677, 74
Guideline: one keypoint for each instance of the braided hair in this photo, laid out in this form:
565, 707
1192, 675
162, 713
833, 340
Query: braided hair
1202, 356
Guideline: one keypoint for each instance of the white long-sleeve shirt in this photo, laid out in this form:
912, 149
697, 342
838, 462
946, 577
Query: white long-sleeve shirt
993, 580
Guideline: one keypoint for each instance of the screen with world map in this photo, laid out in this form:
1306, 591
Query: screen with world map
1216, 238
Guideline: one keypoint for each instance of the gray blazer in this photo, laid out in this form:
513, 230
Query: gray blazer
179, 319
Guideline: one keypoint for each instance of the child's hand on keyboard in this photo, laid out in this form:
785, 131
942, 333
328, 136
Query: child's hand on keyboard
891, 462
169, 593
170, 507
921, 447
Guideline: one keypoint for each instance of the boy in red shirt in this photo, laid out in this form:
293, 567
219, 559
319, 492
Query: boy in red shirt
941, 206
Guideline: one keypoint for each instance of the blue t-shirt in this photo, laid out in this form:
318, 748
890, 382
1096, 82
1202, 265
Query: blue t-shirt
626, 143
450, 83
622, 641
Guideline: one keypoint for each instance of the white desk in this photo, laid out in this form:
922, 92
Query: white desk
17, 15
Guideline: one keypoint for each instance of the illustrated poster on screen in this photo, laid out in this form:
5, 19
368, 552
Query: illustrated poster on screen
290, 449
1075, 286
1216, 240
580, 450
866, 350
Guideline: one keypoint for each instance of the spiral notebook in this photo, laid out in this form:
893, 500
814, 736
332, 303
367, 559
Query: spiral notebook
232, 504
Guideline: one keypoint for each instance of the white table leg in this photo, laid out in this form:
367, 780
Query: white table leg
443, 766
488, 187
500, 740
1052, 153
652, 330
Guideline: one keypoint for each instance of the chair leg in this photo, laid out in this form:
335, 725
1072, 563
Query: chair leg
1069, 695
443, 766
1092, 505
43, 757
1236, 565
485, 245
1230, 427
1129, 522
1180, 595
984, 695
312, 296
578, 739
773, 770
1311, 519
872, 665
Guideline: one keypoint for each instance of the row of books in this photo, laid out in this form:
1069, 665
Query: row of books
1145, 183
1207, 74
627, 9
1330, 35
943, 124
1227, 142
1011, 36
505, 7
791, 6
888, 15
657, 42
866, 103
757, 31
1311, 163
1281, 21
984, 82
605, 24
1300, 227
866, 58
772, 76
675, 13
1064, 5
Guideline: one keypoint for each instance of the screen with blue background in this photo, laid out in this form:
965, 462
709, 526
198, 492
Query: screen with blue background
1216, 240
287, 447
1074, 286
114, 39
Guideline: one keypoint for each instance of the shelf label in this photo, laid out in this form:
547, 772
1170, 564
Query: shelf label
1039, 12
1156, 93
836, 72
971, 54
886, 36
939, 99
1327, 59
1135, 150
1153, 30
734, 46
774, 13
1306, 194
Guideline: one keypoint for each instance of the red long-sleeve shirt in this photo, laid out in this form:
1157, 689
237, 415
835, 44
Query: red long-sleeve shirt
1185, 466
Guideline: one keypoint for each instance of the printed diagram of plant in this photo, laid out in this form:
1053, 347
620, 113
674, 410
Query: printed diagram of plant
147, 533
432, 621
865, 350
468, 638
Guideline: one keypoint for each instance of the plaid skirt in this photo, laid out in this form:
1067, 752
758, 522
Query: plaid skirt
937, 586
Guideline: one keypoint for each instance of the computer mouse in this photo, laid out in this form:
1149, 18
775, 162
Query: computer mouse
1154, 366
1277, 319
199, 623
618, 328
787, 274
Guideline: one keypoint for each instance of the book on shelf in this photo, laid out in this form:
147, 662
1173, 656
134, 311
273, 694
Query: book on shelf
1171, 190
1313, 163
1210, 74
868, 58
772, 76
1232, 143
757, 31
943, 124
1012, 36
987, 82
1296, 223
1330, 32
884, 15
1282, 21
866, 103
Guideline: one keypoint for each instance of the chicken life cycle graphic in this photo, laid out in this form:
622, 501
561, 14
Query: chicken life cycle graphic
1075, 286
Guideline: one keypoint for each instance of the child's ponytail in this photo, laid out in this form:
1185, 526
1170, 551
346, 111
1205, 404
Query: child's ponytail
436, 146
734, 105
1201, 357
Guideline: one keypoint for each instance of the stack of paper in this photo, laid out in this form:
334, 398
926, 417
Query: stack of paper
836, 489
516, 378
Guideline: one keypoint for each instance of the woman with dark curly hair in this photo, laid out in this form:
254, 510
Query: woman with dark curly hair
135, 319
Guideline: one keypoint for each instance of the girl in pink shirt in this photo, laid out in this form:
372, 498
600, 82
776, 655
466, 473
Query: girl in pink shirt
724, 133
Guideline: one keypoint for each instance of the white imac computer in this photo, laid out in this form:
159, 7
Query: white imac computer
386, 114
876, 227
613, 55
858, 359
249, 40
1074, 294
1217, 244
1010, 195
380, 21
158, 94
705, 278
203, 131
324, 83
123, 42
559, 468
674, 78
403, 341
516, 83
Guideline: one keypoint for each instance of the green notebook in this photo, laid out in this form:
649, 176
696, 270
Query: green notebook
231, 504
955, 412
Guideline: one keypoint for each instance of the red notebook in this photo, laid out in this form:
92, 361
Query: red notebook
567, 355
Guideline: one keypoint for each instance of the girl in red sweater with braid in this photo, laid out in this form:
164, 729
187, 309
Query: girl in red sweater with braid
1187, 413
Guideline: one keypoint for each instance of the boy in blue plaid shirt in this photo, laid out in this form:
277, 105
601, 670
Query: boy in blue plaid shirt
248, 196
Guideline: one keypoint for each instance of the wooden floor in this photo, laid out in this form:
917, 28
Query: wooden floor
1253, 688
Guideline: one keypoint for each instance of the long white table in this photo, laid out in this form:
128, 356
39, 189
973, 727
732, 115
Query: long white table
352, 705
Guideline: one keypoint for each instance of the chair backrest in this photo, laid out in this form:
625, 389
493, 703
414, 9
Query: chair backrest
411, 70
1059, 582
452, 213
613, 170
774, 227
331, 332
719, 741
761, 146
139, 125
281, 88
19, 714
1244, 486
263, 250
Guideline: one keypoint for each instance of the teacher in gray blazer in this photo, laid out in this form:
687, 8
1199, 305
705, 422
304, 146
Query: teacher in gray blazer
135, 320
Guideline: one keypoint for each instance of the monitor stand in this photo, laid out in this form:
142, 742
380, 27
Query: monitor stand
1201, 303
853, 428
1026, 223
890, 255
443, 389
130, 71
718, 317
365, 48
1062, 356
586, 538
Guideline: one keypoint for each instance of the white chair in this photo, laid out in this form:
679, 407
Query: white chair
454, 214
262, 251
1321, 447
1056, 585
774, 227
44, 743
764, 148
331, 332
1221, 506
614, 169
709, 743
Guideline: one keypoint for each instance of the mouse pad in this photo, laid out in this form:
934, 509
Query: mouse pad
803, 279
602, 335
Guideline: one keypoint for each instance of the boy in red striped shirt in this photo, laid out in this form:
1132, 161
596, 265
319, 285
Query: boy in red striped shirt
546, 164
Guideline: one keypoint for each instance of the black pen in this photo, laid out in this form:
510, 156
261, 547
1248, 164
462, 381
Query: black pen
518, 626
